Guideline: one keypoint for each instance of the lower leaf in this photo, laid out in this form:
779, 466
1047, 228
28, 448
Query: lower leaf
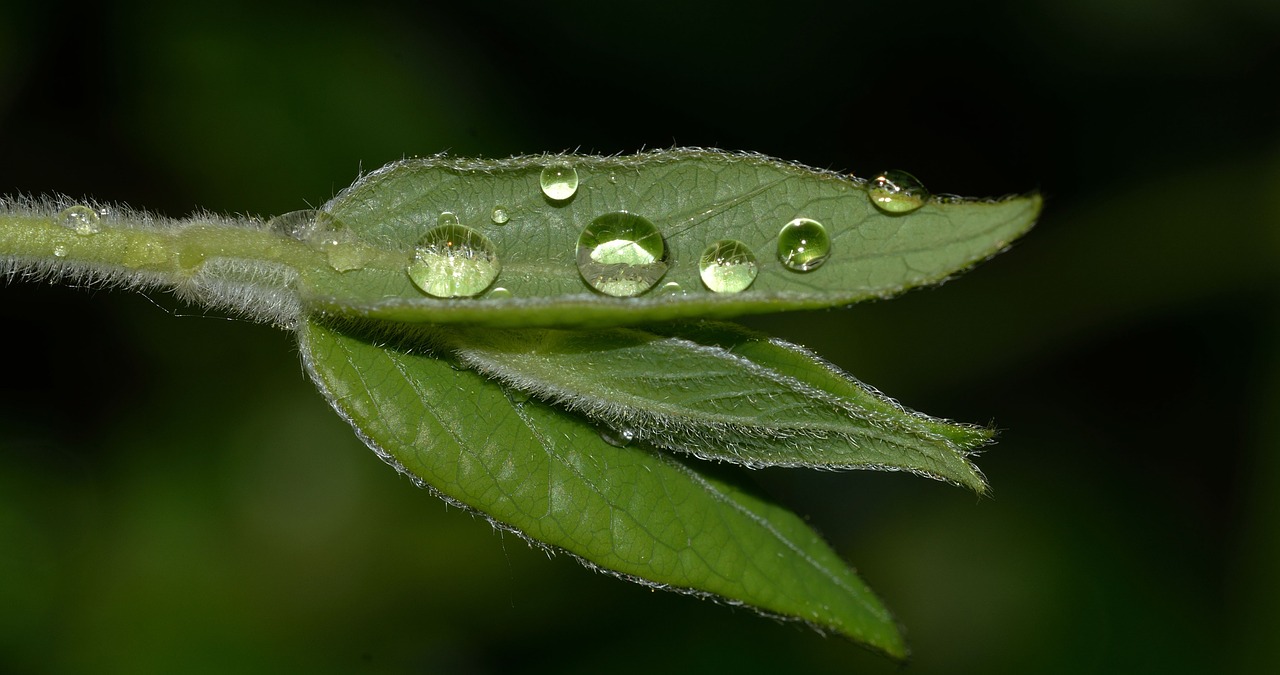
547, 474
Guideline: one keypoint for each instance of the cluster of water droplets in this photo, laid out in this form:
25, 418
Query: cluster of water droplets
623, 254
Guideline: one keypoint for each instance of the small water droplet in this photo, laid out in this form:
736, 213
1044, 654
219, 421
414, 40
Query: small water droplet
559, 181
310, 226
727, 266
344, 257
447, 218
618, 438
803, 245
81, 219
296, 224
453, 261
897, 192
498, 293
671, 288
516, 397
499, 216
621, 254
60, 251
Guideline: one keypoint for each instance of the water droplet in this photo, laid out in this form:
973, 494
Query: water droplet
671, 288
618, 438
897, 192
803, 245
498, 293
313, 227
447, 218
80, 218
296, 224
727, 266
344, 257
621, 254
499, 216
559, 181
60, 251
453, 261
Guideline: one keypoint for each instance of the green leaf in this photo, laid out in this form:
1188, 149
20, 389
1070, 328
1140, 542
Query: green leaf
547, 474
695, 198
422, 241
719, 392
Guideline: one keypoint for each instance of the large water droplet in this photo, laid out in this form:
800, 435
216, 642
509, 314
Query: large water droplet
897, 192
499, 215
498, 293
81, 219
559, 181
727, 266
803, 245
453, 261
621, 254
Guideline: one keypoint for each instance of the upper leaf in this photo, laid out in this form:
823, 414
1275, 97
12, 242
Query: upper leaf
632, 240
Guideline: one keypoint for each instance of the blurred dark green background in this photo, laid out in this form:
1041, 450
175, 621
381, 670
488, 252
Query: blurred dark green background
175, 496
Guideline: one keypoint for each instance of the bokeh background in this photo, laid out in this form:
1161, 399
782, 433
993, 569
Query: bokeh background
176, 497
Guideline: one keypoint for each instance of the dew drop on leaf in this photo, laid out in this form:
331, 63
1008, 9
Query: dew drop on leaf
618, 438
499, 216
897, 192
671, 288
81, 219
621, 254
60, 251
454, 261
728, 266
559, 181
803, 245
498, 293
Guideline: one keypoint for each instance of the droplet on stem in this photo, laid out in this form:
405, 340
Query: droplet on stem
81, 219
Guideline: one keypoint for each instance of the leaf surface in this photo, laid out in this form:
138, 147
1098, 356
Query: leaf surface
547, 474
693, 197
